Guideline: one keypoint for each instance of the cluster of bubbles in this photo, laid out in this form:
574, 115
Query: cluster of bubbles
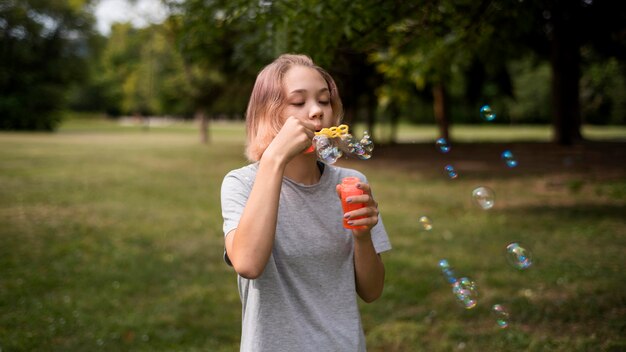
464, 289
517, 254
332, 143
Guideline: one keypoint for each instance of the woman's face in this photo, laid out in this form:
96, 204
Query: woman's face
307, 97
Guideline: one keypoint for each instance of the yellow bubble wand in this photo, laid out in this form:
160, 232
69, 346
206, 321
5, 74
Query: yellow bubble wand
330, 132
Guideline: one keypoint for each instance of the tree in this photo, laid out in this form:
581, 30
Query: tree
439, 37
570, 25
205, 32
42, 52
338, 35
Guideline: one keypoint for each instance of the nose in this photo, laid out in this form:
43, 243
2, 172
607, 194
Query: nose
316, 111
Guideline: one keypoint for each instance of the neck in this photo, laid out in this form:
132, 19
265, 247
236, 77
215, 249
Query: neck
303, 169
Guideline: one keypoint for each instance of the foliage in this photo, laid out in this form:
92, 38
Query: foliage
42, 52
603, 92
205, 33
385, 55
143, 72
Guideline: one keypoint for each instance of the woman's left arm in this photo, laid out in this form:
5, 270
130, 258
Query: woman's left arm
369, 270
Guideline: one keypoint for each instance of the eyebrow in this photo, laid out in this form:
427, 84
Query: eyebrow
323, 90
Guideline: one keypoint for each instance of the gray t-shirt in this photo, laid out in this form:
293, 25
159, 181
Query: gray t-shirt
306, 299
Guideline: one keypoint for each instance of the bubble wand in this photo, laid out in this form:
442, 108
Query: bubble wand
331, 143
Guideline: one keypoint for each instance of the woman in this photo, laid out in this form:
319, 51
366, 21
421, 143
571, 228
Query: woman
298, 267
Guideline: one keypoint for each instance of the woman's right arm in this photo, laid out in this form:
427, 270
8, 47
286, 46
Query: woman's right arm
249, 246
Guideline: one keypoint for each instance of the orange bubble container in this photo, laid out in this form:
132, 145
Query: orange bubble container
348, 189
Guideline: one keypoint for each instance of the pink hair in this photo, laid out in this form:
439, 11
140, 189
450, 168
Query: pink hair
263, 116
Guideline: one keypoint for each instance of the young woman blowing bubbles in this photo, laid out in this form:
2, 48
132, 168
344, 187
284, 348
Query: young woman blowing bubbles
298, 267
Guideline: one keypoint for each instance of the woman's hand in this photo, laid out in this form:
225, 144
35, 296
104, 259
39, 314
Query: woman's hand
364, 218
293, 138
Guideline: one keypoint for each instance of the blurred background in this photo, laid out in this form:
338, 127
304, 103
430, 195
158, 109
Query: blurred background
416, 62
119, 119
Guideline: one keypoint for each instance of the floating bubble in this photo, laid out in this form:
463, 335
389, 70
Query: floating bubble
326, 151
350, 145
447, 271
501, 315
426, 223
442, 145
509, 158
361, 149
451, 172
487, 114
366, 142
465, 292
519, 256
484, 197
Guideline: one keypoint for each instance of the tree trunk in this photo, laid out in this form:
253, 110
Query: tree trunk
440, 106
393, 121
565, 64
203, 121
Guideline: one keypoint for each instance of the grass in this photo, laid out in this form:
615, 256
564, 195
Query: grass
111, 240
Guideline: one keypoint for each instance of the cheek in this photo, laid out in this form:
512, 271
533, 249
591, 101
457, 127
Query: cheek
330, 117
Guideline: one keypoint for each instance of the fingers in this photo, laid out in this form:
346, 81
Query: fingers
294, 137
300, 131
366, 197
366, 216
293, 123
309, 126
365, 212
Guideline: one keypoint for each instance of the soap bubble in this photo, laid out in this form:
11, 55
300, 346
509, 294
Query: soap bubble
519, 256
442, 145
484, 197
447, 271
349, 145
501, 315
509, 158
326, 150
465, 292
487, 114
366, 143
425, 223
451, 172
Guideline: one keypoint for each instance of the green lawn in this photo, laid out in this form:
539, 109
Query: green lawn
110, 239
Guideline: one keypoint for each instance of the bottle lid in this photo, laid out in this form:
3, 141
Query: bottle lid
350, 180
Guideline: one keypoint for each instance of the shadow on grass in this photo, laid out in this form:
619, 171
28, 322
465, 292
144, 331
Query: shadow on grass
479, 160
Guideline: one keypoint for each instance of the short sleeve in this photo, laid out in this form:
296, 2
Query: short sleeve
234, 195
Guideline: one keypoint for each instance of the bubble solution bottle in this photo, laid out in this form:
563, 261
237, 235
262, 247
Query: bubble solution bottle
348, 189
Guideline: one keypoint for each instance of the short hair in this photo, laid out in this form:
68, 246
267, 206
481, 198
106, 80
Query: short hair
267, 100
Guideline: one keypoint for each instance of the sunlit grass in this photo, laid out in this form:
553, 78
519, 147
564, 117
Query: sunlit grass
111, 240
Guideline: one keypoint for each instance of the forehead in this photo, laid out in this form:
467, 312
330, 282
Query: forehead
299, 78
